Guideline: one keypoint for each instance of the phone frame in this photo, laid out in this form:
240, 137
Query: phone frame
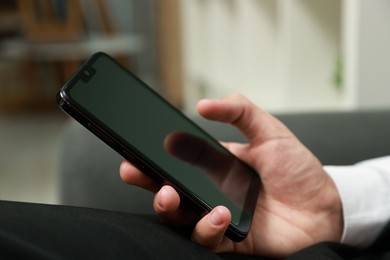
130, 153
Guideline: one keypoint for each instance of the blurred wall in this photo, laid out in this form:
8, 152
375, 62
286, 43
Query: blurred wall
374, 49
287, 56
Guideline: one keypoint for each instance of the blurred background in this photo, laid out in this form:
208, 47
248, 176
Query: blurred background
287, 56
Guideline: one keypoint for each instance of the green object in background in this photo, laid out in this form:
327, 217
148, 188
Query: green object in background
338, 73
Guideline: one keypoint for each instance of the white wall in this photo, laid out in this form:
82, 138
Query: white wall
284, 55
374, 69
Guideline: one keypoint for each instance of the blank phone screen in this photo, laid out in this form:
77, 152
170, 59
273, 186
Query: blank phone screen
162, 136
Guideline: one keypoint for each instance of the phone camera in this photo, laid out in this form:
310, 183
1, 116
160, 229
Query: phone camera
87, 73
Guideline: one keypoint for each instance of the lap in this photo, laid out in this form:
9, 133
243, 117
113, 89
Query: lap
39, 231
47, 231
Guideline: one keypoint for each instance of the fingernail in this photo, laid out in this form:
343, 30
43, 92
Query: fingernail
215, 218
160, 199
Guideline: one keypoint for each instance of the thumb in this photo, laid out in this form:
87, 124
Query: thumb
210, 230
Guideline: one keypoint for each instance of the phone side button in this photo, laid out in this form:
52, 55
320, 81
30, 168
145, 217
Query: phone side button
133, 160
128, 156
105, 138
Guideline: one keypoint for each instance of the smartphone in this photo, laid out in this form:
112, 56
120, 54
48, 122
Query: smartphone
160, 140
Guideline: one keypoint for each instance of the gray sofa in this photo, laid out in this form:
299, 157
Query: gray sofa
89, 175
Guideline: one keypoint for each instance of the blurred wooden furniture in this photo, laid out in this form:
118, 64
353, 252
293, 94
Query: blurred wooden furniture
53, 40
170, 50
48, 20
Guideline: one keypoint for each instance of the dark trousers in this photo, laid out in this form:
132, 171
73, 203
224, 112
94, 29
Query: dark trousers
35, 231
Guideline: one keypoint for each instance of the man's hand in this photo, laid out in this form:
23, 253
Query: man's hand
297, 207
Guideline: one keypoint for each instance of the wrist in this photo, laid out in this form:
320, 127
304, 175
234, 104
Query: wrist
335, 210
365, 196
330, 222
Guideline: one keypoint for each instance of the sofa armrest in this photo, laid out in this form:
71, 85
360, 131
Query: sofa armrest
343, 138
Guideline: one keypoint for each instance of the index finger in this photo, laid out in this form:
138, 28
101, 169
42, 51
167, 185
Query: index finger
253, 122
